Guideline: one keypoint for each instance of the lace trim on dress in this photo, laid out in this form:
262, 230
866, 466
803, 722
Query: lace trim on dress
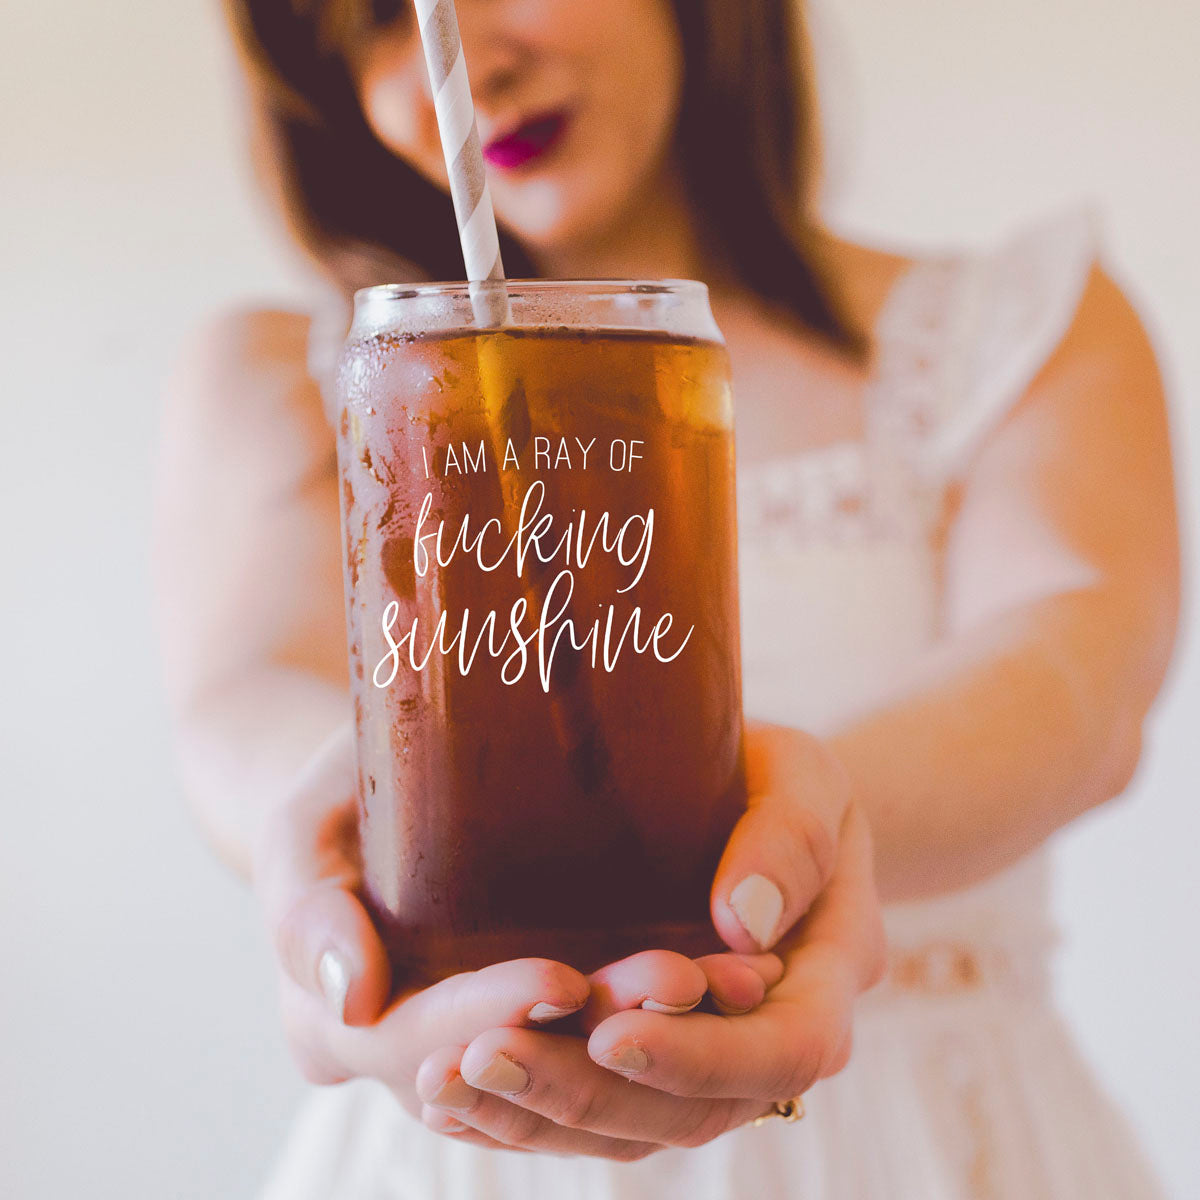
958, 342
827, 494
870, 490
963, 965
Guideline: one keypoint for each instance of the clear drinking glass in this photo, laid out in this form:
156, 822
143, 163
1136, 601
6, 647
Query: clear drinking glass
541, 594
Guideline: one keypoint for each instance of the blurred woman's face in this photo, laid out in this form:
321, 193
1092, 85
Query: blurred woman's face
576, 102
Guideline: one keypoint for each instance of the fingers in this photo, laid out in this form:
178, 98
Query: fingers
440, 1121
541, 1091
450, 1013
657, 980
777, 1051
439, 1076
532, 991
665, 982
782, 851
521, 1130
737, 983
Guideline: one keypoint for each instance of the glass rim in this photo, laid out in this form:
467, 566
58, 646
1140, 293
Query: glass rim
462, 287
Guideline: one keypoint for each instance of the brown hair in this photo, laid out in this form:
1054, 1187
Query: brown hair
746, 138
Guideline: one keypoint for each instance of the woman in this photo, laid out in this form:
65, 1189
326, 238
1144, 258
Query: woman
959, 579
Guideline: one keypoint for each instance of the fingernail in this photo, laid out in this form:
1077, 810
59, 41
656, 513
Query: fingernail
758, 904
455, 1093
453, 1126
333, 974
672, 1010
501, 1074
626, 1060
549, 1012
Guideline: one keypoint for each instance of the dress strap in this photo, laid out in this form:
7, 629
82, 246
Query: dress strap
963, 336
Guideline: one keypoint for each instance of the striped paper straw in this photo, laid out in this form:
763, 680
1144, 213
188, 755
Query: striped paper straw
477, 231
579, 733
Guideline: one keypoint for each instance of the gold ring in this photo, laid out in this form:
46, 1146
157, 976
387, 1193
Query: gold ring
790, 1110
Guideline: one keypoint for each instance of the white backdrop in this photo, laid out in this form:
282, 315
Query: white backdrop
139, 1056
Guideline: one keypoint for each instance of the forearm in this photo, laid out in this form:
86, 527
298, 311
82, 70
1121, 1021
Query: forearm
248, 573
243, 745
1005, 735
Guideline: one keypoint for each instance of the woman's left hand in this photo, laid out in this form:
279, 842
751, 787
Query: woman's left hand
644, 1080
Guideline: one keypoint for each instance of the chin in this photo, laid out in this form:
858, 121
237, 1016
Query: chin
552, 217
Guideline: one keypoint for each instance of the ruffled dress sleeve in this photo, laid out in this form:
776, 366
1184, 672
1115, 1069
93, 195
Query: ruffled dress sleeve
1013, 306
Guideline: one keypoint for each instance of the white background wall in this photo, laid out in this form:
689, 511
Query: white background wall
139, 1057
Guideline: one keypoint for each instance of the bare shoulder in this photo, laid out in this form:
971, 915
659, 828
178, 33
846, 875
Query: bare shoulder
865, 276
243, 374
245, 354
1107, 339
242, 408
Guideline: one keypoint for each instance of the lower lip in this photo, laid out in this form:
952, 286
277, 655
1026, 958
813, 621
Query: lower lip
530, 142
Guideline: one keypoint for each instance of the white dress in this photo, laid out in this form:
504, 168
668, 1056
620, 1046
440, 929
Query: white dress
963, 1082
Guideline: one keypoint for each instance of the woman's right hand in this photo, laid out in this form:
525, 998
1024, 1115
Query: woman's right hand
335, 981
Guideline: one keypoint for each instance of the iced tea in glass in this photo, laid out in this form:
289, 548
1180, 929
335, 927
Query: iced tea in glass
541, 592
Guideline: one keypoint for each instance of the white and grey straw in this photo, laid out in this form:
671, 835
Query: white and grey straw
571, 705
477, 231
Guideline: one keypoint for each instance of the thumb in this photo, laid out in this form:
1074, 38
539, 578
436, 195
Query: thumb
308, 875
328, 945
783, 850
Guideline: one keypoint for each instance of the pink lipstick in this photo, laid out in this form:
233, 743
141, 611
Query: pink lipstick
528, 141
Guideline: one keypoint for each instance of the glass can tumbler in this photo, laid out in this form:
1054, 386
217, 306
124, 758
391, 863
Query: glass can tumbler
541, 594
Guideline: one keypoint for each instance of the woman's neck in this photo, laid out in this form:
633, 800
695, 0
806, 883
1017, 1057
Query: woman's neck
656, 238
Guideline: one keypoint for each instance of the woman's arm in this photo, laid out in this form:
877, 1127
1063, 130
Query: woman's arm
1061, 594
248, 572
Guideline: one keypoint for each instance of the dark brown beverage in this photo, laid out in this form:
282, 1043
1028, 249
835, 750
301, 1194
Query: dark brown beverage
542, 602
